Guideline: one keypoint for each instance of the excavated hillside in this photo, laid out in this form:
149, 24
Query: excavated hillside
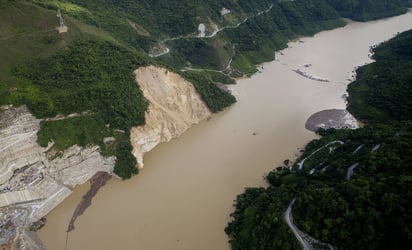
34, 180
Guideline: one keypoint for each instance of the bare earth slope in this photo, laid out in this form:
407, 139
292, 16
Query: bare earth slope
174, 106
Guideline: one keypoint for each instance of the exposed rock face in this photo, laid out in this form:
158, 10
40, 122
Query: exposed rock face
80, 165
174, 106
31, 182
18, 146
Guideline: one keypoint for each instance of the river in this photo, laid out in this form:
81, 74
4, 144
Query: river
183, 197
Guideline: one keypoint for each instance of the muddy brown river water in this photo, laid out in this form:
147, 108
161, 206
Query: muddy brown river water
183, 197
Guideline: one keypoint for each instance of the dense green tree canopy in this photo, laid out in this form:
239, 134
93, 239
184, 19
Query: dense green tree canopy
383, 90
363, 10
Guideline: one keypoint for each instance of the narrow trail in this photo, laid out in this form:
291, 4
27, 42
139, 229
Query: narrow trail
349, 172
222, 71
64, 117
306, 241
23, 34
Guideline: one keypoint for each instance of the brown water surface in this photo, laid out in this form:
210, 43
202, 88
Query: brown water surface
183, 197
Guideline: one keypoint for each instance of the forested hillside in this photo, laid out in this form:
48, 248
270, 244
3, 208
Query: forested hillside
267, 26
87, 70
387, 95
353, 188
365, 10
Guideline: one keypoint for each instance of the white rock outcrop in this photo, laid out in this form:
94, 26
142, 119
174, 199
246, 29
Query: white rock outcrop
174, 106
79, 164
18, 146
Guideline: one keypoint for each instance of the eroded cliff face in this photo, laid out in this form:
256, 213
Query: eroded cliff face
33, 180
174, 106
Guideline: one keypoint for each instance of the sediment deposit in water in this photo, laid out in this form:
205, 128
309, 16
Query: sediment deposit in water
96, 182
331, 118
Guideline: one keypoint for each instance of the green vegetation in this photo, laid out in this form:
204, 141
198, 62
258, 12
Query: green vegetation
369, 209
220, 77
161, 18
199, 53
142, 24
125, 163
21, 39
365, 10
215, 98
255, 40
90, 76
82, 71
372, 209
65, 133
387, 94
28, 32
258, 220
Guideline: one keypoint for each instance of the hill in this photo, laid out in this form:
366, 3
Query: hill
382, 90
